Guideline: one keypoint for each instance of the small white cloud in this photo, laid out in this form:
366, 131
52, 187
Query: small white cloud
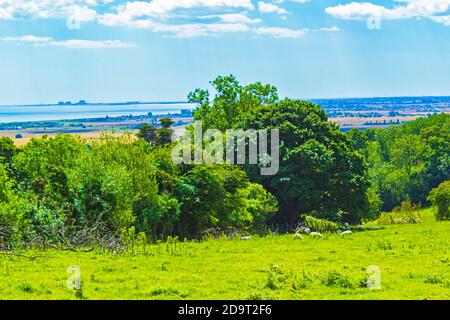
84, 10
331, 29
277, 32
236, 18
296, 1
69, 44
28, 38
431, 9
267, 7
90, 44
445, 20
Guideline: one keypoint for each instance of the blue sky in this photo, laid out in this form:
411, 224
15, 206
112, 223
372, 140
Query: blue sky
106, 50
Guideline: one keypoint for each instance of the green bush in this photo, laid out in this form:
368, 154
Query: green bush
321, 225
337, 279
407, 213
440, 197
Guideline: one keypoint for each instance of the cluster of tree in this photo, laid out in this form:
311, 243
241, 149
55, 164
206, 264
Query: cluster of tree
406, 162
321, 173
155, 136
51, 184
55, 183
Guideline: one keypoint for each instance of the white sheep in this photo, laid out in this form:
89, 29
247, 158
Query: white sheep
316, 235
347, 233
298, 236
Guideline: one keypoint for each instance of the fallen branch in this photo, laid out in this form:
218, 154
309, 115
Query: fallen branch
19, 255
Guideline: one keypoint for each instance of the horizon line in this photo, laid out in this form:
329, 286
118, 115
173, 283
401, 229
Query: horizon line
131, 102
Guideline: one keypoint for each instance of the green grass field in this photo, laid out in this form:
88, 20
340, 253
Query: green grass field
414, 262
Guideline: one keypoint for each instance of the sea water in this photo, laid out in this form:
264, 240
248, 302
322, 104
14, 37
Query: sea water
10, 114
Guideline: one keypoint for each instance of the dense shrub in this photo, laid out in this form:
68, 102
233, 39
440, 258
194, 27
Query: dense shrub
55, 188
407, 213
321, 225
440, 197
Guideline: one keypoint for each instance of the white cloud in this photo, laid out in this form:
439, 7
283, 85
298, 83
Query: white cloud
69, 44
296, 1
445, 20
177, 18
330, 29
164, 9
90, 44
402, 9
277, 32
164, 16
28, 38
234, 18
83, 10
267, 7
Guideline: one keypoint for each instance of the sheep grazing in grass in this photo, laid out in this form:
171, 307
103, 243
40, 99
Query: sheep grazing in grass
316, 235
304, 230
246, 238
346, 233
298, 236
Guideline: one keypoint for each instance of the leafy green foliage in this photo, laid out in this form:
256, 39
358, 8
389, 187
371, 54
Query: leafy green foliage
406, 162
319, 169
7, 150
154, 136
320, 225
58, 184
407, 213
440, 197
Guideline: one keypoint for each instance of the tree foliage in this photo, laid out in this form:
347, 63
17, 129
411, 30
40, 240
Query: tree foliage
406, 162
320, 171
440, 197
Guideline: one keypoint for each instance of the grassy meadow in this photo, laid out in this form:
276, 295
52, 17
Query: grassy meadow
414, 261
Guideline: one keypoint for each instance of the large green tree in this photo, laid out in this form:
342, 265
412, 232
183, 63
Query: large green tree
320, 171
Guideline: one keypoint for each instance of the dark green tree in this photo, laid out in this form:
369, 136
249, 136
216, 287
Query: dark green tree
320, 171
440, 197
148, 133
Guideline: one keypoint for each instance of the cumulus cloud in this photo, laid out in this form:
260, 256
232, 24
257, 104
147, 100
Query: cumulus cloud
178, 18
83, 10
173, 17
401, 9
